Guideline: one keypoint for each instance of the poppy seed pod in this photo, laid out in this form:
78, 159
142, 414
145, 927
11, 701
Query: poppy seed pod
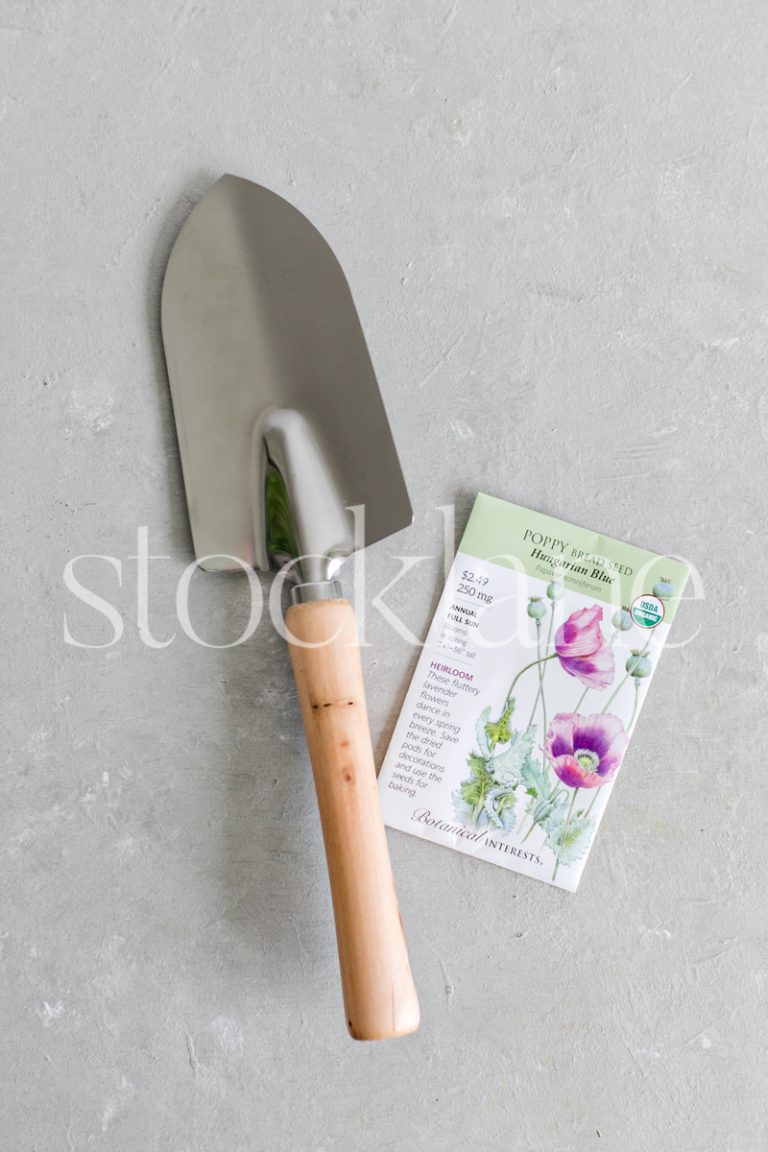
664, 589
622, 620
639, 665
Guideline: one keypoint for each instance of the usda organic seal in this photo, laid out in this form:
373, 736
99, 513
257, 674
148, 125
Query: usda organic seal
647, 611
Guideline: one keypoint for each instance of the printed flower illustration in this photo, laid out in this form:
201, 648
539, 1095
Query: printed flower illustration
582, 650
579, 752
585, 751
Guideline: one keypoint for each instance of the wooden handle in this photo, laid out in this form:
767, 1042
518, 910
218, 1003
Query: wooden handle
379, 995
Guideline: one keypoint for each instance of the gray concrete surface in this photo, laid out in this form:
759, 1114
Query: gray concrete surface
553, 217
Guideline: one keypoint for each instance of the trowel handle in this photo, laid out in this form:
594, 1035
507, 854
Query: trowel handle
379, 995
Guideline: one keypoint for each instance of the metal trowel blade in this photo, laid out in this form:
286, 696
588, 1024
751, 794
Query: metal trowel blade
280, 422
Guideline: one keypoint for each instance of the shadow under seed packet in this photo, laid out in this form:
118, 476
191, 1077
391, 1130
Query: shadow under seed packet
535, 668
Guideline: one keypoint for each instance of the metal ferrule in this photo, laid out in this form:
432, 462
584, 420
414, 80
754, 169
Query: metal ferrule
317, 590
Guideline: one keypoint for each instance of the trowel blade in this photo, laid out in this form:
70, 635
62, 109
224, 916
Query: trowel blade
261, 333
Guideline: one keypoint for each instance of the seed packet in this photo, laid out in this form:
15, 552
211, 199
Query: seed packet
527, 690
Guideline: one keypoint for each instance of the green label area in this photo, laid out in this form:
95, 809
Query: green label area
549, 549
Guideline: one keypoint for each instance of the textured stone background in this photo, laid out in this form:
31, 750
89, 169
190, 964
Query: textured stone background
553, 217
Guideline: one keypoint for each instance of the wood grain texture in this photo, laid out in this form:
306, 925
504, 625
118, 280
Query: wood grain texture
379, 995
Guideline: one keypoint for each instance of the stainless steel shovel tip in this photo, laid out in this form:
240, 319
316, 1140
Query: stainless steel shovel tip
280, 422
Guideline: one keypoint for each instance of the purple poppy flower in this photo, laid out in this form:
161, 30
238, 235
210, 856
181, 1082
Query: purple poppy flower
585, 751
582, 650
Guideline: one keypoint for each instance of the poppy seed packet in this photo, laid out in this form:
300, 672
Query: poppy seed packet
527, 690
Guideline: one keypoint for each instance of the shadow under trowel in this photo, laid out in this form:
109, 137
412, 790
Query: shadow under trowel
170, 225
385, 736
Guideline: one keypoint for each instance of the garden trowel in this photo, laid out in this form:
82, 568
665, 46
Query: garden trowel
289, 464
